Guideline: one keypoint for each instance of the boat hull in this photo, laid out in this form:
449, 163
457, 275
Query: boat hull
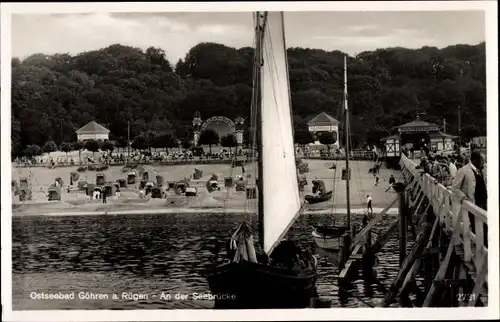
325, 242
328, 238
247, 285
317, 199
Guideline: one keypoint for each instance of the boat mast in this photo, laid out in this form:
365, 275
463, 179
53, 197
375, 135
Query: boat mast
259, 32
346, 111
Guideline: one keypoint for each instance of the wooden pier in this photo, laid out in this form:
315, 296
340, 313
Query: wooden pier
447, 265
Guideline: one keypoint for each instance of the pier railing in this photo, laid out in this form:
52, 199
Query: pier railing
454, 217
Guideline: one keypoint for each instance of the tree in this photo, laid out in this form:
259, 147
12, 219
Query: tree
33, 150
78, 145
92, 146
186, 144
145, 140
209, 137
108, 146
50, 146
229, 141
121, 142
149, 137
303, 136
66, 147
374, 134
165, 140
139, 143
126, 88
327, 138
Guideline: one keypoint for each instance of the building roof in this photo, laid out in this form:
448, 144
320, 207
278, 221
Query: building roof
92, 128
418, 124
439, 134
394, 136
322, 119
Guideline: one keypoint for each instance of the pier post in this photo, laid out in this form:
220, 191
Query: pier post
345, 250
368, 258
354, 230
403, 224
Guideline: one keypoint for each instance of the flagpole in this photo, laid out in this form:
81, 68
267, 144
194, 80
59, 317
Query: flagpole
346, 126
128, 138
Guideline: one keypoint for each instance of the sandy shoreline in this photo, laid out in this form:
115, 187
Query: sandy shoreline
159, 211
225, 201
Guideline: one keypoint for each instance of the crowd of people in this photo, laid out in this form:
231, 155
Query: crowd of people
135, 156
442, 168
465, 177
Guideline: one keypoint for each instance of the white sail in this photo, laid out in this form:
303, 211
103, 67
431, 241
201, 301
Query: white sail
282, 199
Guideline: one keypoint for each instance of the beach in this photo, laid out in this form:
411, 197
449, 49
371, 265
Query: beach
227, 200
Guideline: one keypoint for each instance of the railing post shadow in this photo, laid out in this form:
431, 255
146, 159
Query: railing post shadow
403, 224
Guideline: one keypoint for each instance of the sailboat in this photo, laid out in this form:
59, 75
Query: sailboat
283, 276
328, 237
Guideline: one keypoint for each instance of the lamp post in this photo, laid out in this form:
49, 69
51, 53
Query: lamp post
197, 122
239, 121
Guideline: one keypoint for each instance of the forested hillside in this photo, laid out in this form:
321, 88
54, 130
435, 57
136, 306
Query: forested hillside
54, 95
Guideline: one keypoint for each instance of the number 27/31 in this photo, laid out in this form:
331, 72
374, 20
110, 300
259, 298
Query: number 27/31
466, 297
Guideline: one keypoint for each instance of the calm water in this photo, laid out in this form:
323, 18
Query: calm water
151, 255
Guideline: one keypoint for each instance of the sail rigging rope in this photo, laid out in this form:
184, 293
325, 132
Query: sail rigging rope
357, 181
332, 202
357, 177
253, 116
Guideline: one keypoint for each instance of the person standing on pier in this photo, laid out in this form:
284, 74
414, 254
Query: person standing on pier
369, 204
392, 181
452, 167
470, 184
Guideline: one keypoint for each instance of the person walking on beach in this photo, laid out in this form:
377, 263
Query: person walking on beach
376, 180
369, 204
104, 195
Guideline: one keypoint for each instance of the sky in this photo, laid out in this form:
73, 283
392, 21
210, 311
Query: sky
351, 32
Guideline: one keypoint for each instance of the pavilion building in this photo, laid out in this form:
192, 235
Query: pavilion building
414, 136
92, 131
324, 123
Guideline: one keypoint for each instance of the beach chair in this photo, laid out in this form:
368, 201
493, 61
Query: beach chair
100, 179
54, 193
156, 193
191, 192
251, 193
228, 182
131, 177
122, 183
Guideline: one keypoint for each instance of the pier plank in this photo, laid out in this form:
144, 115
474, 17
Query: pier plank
416, 265
415, 252
345, 271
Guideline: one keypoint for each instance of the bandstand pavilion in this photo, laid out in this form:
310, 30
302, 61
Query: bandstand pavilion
324, 123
